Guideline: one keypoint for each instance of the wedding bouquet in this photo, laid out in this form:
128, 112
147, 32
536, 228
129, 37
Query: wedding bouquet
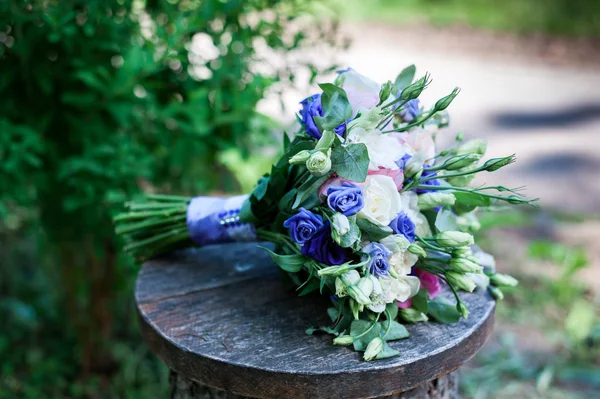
361, 207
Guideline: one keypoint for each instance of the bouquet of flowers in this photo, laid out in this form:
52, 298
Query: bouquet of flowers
361, 207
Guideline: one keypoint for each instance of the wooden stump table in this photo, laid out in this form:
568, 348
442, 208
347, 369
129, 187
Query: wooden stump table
225, 324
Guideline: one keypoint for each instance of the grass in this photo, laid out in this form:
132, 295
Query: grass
550, 17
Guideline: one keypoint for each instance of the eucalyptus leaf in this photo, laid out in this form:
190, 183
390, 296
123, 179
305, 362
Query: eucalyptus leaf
360, 326
466, 202
336, 107
443, 310
373, 232
350, 161
397, 331
387, 352
419, 301
405, 78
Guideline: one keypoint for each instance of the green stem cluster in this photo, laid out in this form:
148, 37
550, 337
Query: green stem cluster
153, 226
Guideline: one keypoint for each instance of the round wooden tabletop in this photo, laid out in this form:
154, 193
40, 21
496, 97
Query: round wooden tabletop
220, 315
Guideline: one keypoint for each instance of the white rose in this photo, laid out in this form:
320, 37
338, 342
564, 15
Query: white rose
362, 92
399, 289
401, 260
381, 200
384, 149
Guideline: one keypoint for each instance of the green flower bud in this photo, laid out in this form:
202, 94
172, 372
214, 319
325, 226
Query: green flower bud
503, 280
460, 281
464, 265
373, 349
417, 250
497, 163
462, 309
319, 163
411, 315
454, 239
496, 293
444, 102
414, 166
414, 90
477, 146
465, 180
433, 200
461, 161
343, 340
300, 157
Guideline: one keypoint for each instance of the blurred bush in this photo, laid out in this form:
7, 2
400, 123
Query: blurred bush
102, 100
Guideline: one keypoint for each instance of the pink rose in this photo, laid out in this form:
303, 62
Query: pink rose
397, 175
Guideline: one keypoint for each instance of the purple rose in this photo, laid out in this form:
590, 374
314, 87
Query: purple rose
303, 225
346, 199
403, 225
410, 110
323, 249
378, 263
311, 107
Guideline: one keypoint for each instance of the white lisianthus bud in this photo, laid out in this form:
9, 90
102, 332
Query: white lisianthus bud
373, 349
477, 146
350, 278
300, 157
414, 166
464, 265
480, 279
461, 281
340, 223
464, 312
468, 221
417, 250
454, 239
503, 280
411, 315
462, 251
433, 200
340, 288
362, 291
343, 340
319, 163
496, 293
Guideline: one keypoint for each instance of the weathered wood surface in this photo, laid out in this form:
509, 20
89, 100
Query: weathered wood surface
221, 316
444, 387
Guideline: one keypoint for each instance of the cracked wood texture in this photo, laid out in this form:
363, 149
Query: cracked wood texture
222, 317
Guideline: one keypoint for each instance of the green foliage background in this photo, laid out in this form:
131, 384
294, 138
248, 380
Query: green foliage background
103, 100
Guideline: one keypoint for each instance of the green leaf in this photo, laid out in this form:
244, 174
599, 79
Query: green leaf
336, 107
466, 202
289, 263
419, 301
580, 321
360, 326
285, 203
373, 232
308, 189
261, 188
325, 329
443, 310
350, 161
333, 313
391, 310
313, 285
405, 78
387, 352
397, 331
